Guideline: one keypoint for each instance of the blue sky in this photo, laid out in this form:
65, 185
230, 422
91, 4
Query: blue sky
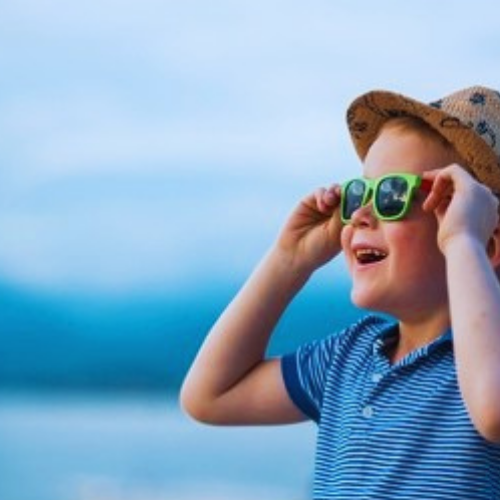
161, 144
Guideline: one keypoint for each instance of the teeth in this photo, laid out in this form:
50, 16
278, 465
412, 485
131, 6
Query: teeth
369, 254
370, 251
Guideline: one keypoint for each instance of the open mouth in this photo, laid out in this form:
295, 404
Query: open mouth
369, 255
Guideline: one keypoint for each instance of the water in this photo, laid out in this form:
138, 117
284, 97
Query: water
104, 448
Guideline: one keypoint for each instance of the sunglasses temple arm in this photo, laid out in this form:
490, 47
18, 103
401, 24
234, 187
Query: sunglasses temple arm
426, 185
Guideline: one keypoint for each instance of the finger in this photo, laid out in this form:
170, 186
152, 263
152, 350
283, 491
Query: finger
332, 195
327, 199
441, 192
431, 174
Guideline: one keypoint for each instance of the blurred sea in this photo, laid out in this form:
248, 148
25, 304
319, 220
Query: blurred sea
108, 448
88, 400
137, 343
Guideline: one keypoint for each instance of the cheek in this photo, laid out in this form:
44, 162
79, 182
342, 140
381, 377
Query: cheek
346, 237
417, 244
345, 242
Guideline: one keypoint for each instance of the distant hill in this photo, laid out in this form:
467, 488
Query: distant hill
140, 343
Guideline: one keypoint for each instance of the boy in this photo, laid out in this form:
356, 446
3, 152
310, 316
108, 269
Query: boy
407, 408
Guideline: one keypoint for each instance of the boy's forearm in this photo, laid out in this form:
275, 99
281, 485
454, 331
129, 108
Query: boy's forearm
238, 340
230, 381
474, 294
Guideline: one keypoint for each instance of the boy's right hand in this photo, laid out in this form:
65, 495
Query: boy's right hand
311, 236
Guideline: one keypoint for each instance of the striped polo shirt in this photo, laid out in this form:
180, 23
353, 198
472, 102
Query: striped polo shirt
389, 431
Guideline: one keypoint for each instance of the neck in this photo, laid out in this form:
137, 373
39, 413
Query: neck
418, 333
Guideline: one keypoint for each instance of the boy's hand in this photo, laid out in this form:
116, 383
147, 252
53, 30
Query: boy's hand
311, 236
462, 205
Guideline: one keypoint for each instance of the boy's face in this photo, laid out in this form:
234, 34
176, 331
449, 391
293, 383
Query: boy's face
396, 266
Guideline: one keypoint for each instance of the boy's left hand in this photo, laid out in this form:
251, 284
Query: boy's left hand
462, 205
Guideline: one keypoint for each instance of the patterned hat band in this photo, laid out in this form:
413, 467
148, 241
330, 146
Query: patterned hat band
469, 119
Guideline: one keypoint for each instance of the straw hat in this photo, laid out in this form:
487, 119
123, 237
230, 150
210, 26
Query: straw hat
469, 119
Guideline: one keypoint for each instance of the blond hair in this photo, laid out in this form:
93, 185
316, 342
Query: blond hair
422, 128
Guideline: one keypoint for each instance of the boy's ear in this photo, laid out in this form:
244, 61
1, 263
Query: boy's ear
493, 249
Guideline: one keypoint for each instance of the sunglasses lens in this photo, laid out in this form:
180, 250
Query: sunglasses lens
392, 197
354, 195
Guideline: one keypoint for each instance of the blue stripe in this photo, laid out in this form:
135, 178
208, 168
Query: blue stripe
292, 383
389, 431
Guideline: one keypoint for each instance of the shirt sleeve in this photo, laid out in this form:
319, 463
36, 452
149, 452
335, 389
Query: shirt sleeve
307, 370
305, 374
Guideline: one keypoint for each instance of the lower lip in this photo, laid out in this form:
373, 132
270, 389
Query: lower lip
362, 267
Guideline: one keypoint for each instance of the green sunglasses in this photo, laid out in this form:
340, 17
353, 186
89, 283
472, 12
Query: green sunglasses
392, 195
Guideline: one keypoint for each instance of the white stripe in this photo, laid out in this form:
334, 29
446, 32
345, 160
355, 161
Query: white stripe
415, 440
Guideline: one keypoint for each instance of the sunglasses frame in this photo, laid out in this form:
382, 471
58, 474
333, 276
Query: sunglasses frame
371, 188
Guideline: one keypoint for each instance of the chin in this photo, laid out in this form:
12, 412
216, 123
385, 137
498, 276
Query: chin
371, 302
363, 300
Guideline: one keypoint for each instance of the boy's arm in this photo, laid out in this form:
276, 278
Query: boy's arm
230, 381
469, 237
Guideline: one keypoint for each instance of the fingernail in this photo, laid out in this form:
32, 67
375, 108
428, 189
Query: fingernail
329, 196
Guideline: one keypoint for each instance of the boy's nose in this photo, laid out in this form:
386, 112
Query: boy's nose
364, 216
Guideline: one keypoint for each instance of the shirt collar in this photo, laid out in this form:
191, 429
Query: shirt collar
389, 335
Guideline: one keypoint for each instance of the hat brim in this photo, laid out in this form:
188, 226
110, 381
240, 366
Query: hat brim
369, 112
